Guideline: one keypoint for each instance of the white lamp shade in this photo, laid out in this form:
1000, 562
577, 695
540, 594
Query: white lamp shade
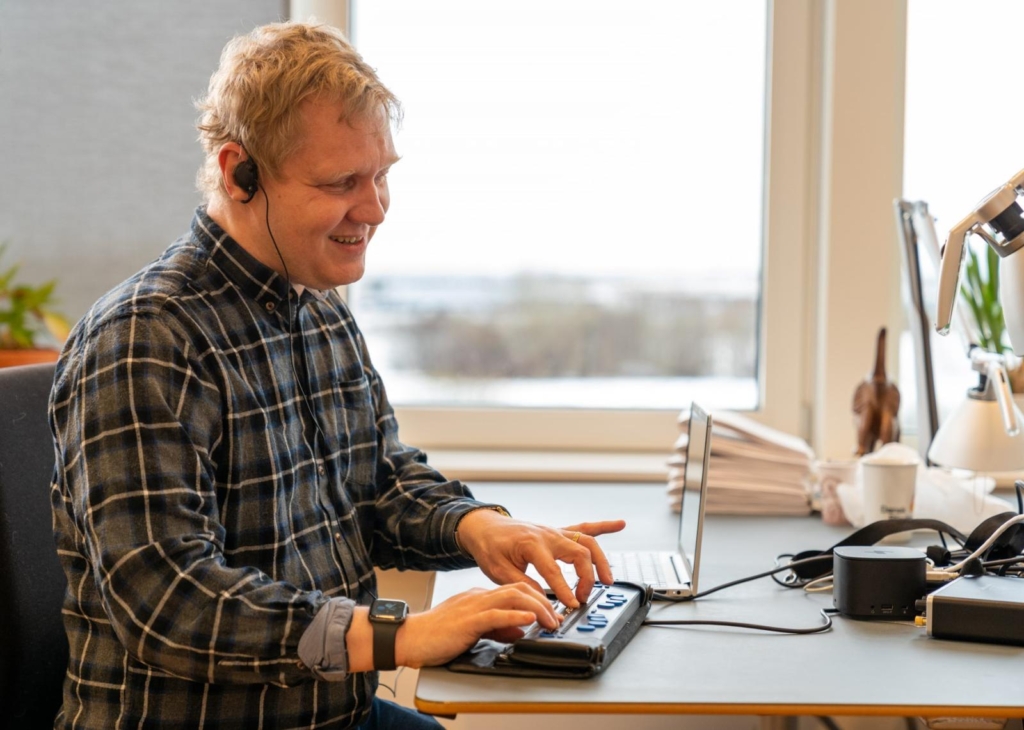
973, 438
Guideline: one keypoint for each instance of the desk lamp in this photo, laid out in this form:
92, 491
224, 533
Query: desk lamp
983, 433
970, 437
999, 219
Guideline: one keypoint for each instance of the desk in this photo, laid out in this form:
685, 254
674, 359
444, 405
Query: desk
859, 668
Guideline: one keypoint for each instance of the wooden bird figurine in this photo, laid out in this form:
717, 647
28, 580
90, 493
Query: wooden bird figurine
876, 404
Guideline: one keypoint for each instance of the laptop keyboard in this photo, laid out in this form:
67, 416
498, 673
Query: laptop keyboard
637, 568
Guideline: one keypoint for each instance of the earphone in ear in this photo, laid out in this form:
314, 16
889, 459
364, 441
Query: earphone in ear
247, 177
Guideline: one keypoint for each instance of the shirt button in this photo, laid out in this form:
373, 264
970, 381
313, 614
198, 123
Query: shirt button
270, 306
337, 536
320, 470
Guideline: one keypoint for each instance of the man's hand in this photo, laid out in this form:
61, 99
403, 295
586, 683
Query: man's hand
504, 547
445, 631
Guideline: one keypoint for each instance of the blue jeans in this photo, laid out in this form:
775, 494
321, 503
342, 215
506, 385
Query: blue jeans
386, 715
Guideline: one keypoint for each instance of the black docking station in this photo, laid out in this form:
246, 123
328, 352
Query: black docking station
878, 581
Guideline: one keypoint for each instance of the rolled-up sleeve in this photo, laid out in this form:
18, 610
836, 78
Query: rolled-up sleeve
323, 646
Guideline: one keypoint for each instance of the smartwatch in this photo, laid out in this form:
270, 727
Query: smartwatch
386, 615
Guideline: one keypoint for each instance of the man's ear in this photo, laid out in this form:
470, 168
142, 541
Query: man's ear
238, 172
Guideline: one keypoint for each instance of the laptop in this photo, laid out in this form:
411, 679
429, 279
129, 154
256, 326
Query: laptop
674, 572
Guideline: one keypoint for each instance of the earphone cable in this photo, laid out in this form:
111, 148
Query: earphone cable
291, 335
291, 360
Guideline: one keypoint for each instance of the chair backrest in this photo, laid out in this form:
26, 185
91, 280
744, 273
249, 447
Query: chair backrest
33, 645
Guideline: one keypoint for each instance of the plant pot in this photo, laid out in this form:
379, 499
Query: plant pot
28, 356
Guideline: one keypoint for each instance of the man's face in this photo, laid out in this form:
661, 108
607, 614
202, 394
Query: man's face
331, 195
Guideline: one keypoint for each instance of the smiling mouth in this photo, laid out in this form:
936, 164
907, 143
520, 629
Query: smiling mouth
349, 240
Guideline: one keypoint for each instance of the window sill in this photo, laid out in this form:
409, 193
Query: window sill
575, 466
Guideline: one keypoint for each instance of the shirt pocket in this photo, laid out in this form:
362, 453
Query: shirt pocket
357, 426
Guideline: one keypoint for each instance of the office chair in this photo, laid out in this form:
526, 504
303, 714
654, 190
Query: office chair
33, 647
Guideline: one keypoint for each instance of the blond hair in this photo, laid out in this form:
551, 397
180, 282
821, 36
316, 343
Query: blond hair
264, 76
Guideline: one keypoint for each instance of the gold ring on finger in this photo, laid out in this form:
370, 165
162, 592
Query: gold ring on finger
576, 536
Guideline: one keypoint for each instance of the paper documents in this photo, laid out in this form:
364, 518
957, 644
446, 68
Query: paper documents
754, 469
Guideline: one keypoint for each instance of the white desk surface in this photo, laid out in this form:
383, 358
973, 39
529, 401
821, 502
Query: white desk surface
859, 668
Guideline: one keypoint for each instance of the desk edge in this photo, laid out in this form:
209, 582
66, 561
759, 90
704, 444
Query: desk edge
450, 709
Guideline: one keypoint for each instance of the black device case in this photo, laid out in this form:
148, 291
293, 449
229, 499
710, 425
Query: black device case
557, 658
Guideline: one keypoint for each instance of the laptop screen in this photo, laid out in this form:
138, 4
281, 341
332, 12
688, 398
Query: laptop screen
691, 521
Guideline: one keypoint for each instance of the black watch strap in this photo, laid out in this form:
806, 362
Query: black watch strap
384, 645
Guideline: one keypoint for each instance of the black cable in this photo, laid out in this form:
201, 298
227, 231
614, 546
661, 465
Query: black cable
767, 573
291, 336
828, 722
298, 383
1003, 561
1006, 566
795, 581
826, 613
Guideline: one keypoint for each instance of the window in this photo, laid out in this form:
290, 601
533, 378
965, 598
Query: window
577, 220
121, 134
962, 139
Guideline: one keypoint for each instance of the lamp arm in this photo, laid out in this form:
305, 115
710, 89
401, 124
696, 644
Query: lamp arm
1000, 381
1017, 181
923, 227
950, 266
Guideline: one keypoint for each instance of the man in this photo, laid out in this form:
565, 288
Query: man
228, 465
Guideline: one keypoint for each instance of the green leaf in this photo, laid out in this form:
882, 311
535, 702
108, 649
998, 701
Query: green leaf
993, 272
980, 289
972, 290
979, 317
36, 298
24, 310
57, 325
5, 278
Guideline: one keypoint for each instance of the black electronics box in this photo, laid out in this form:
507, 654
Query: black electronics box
987, 608
878, 581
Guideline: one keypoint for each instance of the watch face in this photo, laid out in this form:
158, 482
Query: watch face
386, 609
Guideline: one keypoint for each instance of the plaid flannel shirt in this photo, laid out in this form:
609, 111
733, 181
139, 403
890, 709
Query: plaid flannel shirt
203, 514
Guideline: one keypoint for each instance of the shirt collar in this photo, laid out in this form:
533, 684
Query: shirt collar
255, 279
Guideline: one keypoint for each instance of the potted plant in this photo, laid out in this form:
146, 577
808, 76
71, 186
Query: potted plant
980, 290
30, 330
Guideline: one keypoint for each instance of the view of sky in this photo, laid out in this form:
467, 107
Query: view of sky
592, 140
964, 111
962, 136
568, 137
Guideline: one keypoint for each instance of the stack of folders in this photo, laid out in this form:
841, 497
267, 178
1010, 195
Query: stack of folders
754, 469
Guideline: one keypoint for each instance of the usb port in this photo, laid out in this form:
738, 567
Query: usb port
886, 608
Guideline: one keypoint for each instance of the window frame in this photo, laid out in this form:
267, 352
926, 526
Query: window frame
810, 327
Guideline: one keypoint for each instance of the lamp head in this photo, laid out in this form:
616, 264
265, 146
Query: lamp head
999, 219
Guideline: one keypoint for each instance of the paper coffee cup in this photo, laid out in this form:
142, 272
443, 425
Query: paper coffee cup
888, 484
